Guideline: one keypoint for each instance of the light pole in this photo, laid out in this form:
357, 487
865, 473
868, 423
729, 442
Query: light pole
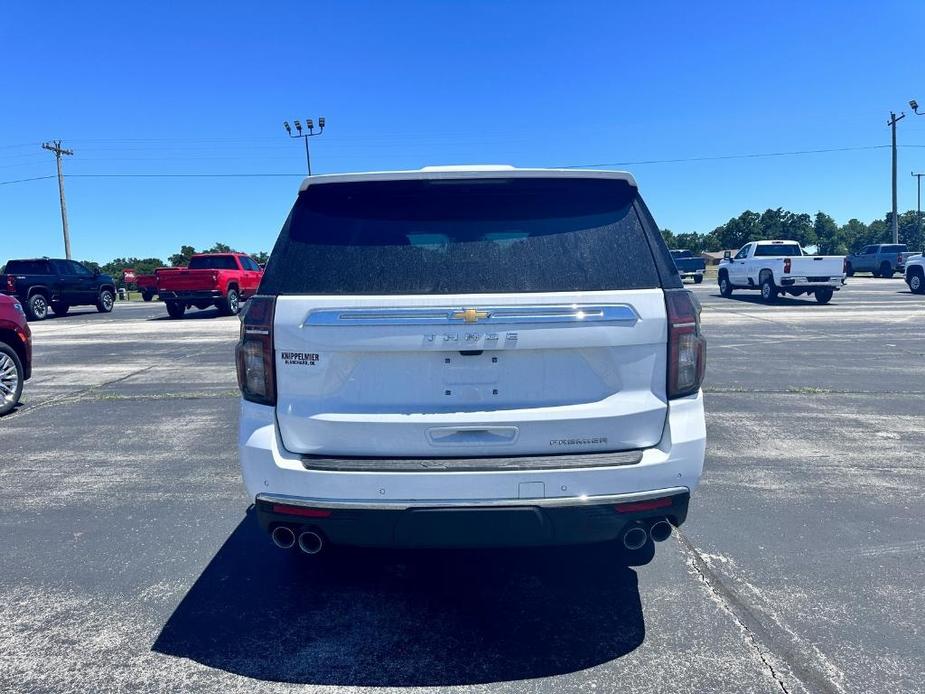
918, 202
310, 127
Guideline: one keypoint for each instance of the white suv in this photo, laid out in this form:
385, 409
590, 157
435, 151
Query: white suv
471, 356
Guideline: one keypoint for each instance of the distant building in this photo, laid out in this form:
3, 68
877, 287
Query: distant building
714, 257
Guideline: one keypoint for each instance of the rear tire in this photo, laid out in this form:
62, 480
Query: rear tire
105, 301
175, 309
147, 296
698, 279
917, 282
886, 270
11, 378
824, 296
725, 286
231, 304
60, 308
37, 307
768, 291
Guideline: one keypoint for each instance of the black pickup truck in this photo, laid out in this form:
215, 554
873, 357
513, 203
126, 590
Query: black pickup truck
42, 282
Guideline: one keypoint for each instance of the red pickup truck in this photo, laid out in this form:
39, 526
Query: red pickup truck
211, 279
147, 284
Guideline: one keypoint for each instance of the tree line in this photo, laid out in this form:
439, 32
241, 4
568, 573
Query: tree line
819, 230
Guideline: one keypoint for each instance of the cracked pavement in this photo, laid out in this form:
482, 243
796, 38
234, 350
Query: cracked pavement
129, 561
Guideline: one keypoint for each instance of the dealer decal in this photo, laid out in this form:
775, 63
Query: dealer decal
300, 358
594, 441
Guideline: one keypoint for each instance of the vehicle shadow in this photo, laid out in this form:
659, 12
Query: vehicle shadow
192, 314
755, 298
404, 618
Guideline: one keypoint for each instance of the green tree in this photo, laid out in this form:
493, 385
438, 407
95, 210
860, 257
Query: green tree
261, 257
829, 240
181, 259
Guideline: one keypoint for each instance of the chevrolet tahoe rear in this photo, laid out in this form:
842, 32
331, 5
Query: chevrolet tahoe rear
471, 357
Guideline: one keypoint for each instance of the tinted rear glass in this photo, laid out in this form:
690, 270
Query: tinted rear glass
462, 236
901, 248
28, 267
788, 249
215, 262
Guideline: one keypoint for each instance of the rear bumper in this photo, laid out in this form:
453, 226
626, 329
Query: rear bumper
198, 295
507, 523
424, 508
812, 283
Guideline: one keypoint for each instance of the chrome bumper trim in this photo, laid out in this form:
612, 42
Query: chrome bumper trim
401, 505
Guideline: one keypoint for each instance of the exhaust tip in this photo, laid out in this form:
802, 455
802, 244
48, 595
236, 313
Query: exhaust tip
635, 538
660, 530
310, 542
283, 537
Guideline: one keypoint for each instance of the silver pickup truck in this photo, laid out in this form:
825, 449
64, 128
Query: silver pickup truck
881, 260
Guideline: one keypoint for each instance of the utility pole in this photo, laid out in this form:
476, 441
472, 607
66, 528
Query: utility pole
55, 146
918, 205
310, 126
894, 119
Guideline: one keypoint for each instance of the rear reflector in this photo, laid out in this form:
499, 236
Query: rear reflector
649, 505
301, 511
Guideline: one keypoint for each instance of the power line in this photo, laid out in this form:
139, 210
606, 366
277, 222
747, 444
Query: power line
752, 155
24, 180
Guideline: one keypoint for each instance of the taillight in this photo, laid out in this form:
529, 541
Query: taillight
11, 283
687, 348
254, 352
899, 258
786, 266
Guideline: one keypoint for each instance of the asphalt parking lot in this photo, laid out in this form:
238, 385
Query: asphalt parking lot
128, 560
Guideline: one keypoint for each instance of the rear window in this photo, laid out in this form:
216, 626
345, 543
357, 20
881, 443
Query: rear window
213, 262
785, 249
28, 267
894, 249
462, 236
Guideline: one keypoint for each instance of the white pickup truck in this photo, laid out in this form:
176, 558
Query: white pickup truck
915, 273
781, 267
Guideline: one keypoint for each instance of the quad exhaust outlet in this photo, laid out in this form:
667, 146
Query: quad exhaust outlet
660, 530
635, 537
283, 537
310, 542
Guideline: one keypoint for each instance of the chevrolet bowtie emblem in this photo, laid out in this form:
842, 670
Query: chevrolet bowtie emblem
470, 315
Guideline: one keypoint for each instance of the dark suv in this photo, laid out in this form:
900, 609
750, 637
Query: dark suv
42, 282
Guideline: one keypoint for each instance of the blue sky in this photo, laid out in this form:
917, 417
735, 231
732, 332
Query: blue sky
151, 89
